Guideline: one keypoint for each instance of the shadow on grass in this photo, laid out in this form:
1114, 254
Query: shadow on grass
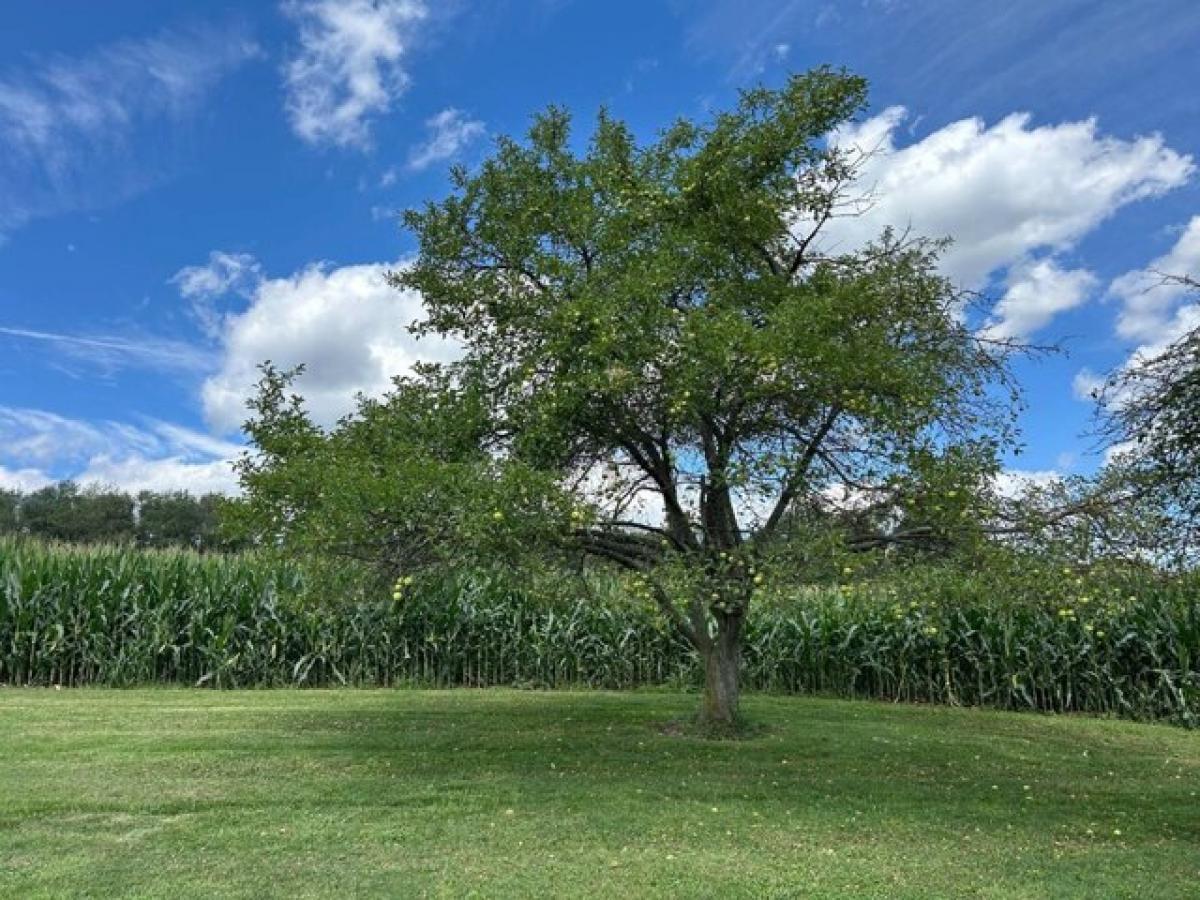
945, 769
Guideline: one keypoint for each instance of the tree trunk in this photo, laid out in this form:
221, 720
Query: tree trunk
722, 665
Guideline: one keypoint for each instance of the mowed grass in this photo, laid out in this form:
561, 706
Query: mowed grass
498, 793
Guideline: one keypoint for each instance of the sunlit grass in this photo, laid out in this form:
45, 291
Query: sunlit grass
184, 793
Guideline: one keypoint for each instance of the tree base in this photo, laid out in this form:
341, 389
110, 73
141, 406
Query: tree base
741, 729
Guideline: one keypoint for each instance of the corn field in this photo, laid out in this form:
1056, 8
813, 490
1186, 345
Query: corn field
1022, 639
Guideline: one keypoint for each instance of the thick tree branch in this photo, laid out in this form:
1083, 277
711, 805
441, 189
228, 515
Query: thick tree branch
796, 478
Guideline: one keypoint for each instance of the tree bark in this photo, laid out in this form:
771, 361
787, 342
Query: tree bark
722, 670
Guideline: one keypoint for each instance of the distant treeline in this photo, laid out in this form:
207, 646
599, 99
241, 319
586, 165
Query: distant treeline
87, 515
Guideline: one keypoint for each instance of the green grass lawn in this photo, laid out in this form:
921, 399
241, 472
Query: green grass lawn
180, 793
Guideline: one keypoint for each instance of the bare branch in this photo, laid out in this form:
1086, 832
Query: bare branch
797, 476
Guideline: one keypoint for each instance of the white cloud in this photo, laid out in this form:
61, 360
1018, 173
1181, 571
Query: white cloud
66, 125
348, 65
346, 325
1035, 292
1152, 309
1086, 384
1011, 196
1012, 483
38, 447
135, 473
23, 480
450, 132
1122, 451
36, 437
1185, 321
1004, 191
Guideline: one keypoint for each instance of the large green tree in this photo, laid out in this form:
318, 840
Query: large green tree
660, 364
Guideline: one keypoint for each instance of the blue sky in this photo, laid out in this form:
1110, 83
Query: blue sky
189, 188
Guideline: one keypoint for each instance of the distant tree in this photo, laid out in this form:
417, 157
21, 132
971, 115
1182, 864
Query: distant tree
46, 512
648, 326
176, 519
66, 512
9, 501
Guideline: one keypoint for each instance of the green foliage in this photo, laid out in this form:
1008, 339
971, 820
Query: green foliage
67, 512
943, 506
405, 485
92, 515
659, 311
9, 501
1123, 512
178, 519
1015, 634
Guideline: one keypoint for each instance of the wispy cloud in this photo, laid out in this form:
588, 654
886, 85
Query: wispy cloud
450, 132
203, 286
961, 56
66, 123
35, 437
348, 66
113, 353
